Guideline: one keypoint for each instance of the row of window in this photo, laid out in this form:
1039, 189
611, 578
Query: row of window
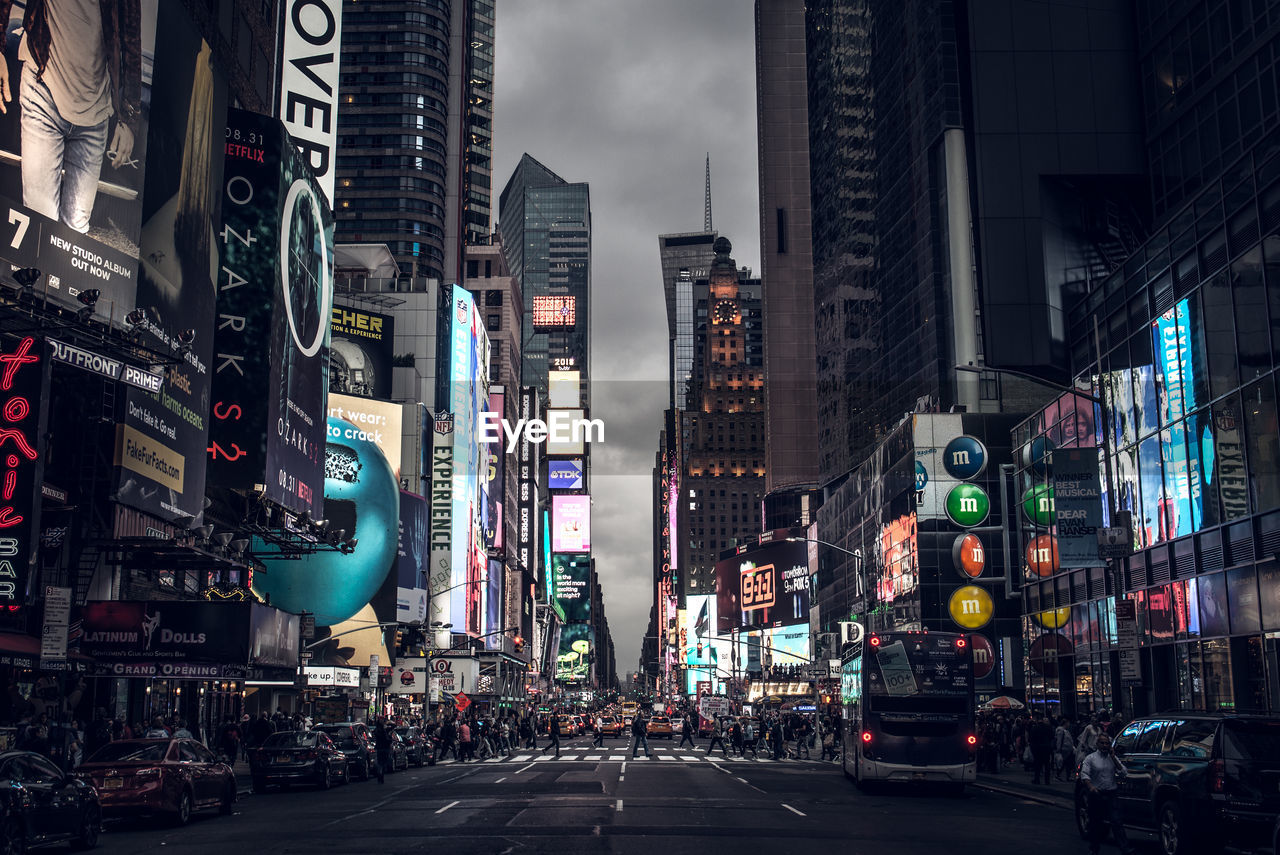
405, 183
390, 206
365, 225
396, 37
396, 58
393, 78
393, 141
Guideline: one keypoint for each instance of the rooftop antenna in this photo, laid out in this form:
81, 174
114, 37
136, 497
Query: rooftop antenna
706, 211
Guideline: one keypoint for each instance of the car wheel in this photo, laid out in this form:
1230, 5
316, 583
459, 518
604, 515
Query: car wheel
259, 786
13, 838
90, 829
228, 799
183, 814
326, 780
1171, 833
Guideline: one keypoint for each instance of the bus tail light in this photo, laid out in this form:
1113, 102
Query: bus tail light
875, 641
866, 743
972, 742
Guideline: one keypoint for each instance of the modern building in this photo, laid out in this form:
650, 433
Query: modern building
545, 224
786, 274
415, 130
685, 257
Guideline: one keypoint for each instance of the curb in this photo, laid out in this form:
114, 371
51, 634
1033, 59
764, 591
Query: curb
1052, 801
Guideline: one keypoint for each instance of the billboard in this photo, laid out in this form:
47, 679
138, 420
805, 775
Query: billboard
275, 296
413, 558
360, 352
564, 474
24, 391
494, 479
379, 422
468, 395
229, 633
764, 586
570, 523
439, 439
571, 580
161, 443
1077, 500
555, 311
706, 656
72, 166
309, 84
573, 662
564, 389
527, 487
571, 442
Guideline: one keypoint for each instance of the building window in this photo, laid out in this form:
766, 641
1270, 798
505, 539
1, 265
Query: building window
782, 231
473, 269
493, 323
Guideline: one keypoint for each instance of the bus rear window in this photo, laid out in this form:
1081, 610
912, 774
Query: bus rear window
901, 727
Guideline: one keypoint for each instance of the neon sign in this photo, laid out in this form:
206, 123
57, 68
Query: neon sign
22, 379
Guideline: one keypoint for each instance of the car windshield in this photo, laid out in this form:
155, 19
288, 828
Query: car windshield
291, 739
131, 752
406, 732
1251, 740
340, 735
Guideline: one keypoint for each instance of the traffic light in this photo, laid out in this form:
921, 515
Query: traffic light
518, 643
699, 649
399, 641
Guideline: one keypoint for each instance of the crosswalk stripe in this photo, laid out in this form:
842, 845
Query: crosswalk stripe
665, 757
593, 757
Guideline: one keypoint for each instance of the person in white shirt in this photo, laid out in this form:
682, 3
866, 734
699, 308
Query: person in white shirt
1101, 773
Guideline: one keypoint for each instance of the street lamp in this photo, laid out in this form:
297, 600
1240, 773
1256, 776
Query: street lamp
856, 554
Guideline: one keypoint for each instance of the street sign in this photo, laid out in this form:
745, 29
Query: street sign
461, 701
306, 655
817, 672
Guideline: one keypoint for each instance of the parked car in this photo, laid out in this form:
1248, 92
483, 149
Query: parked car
356, 742
43, 806
677, 724
297, 757
1198, 780
417, 747
584, 723
660, 725
399, 753
172, 778
610, 726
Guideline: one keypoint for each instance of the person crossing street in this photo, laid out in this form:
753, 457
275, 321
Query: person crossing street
640, 730
554, 732
598, 727
686, 733
717, 735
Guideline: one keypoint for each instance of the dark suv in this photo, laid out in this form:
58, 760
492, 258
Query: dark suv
356, 742
1198, 780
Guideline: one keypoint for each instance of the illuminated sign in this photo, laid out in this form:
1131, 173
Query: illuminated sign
23, 385
969, 556
759, 588
571, 578
1042, 555
570, 523
564, 388
555, 311
971, 607
564, 474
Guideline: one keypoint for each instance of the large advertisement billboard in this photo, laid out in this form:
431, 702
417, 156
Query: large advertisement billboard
73, 144
360, 352
571, 578
764, 586
275, 297
379, 422
309, 83
527, 487
573, 662
242, 633
439, 439
468, 391
570, 523
161, 444
495, 476
413, 558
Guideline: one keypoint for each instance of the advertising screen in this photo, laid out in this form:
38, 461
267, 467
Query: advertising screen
437, 449
379, 422
564, 389
82, 235
555, 311
564, 474
571, 575
918, 666
573, 664
468, 390
706, 657
309, 84
569, 440
360, 352
161, 443
764, 586
570, 523
412, 558
495, 480
275, 294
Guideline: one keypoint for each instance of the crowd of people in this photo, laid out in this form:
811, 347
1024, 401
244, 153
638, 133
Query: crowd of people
1051, 748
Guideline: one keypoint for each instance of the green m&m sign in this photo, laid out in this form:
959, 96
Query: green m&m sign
1037, 504
968, 505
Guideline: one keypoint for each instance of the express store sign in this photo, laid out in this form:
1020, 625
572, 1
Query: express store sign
24, 380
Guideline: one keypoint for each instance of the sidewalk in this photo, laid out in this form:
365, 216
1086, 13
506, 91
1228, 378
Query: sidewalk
1011, 780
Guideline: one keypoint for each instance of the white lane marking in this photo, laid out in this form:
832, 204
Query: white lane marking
500, 780
793, 810
526, 768
665, 757
689, 759
619, 808
446, 807
594, 757
624, 767
522, 758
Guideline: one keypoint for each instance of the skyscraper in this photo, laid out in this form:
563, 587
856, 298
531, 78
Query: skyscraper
415, 128
685, 258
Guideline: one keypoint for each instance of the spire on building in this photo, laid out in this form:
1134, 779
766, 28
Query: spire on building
706, 209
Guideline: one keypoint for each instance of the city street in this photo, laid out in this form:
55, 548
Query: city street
678, 802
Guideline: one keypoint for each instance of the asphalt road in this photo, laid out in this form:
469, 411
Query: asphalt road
684, 804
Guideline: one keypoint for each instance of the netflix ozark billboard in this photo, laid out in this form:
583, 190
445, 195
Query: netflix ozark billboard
275, 298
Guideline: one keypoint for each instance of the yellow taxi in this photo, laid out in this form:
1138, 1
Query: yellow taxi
660, 725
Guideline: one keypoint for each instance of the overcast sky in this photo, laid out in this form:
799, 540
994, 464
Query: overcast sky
629, 96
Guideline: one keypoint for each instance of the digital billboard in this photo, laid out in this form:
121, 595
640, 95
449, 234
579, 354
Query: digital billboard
571, 577
468, 391
160, 444
72, 167
495, 478
413, 558
275, 297
555, 311
380, 422
564, 474
360, 352
707, 657
564, 389
571, 441
308, 101
764, 586
570, 523
573, 663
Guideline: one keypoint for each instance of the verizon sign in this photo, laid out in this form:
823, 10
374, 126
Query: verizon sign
309, 64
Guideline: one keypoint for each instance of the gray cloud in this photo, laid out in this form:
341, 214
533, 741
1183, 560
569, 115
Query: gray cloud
629, 96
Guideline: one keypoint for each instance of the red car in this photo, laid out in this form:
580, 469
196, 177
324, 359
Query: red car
165, 777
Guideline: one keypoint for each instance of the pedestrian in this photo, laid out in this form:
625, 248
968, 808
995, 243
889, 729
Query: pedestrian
686, 733
465, 745
599, 729
1065, 749
735, 736
157, 729
1040, 741
526, 730
1087, 742
553, 728
749, 739
775, 736
98, 733
382, 745
802, 739
640, 730
448, 739
181, 732
1100, 773
717, 735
